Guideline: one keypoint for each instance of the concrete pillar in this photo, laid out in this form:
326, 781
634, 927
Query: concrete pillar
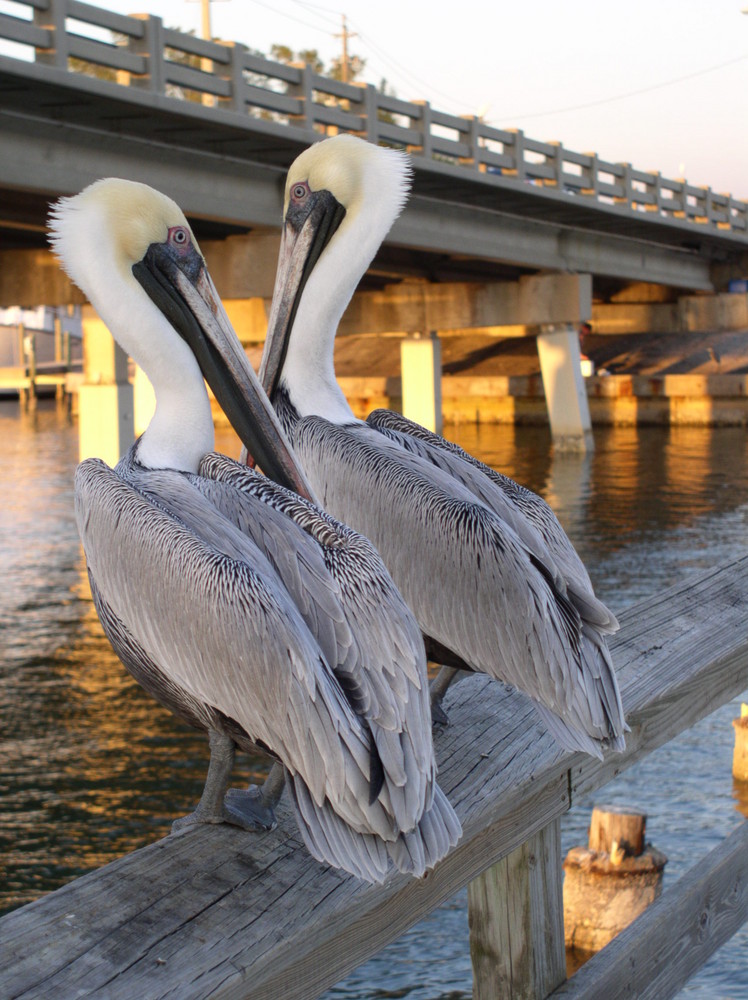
421, 372
565, 392
105, 403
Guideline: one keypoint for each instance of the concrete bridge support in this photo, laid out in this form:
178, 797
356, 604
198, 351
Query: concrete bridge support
565, 392
105, 402
552, 304
421, 374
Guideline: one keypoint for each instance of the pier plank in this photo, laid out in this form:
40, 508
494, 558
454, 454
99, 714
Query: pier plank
222, 913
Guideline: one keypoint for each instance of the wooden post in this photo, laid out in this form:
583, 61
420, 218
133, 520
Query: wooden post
59, 360
565, 392
611, 881
105, 400
740, 754
27, 348
421, 373
515, 912
23, 392
614, 827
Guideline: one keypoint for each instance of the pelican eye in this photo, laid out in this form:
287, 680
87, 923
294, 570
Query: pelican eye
299, 191
179, 236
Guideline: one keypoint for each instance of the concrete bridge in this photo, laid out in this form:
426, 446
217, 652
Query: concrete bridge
501, 229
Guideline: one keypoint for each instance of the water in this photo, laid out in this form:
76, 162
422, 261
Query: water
93, 768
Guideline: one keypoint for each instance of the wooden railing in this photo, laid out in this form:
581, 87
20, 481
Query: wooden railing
218, 912
142, 53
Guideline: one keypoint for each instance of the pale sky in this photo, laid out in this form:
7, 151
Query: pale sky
662, 84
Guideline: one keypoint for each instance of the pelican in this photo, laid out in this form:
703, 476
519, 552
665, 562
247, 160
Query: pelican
231, 598
494, 582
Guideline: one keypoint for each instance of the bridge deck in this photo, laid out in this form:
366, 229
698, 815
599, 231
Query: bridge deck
480, 192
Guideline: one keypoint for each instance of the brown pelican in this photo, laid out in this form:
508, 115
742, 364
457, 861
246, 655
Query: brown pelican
493, 580
237, 603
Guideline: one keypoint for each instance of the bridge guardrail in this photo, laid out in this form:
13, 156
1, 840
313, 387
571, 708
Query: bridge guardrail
141, 52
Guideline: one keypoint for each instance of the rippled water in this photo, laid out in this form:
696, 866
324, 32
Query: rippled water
93, 768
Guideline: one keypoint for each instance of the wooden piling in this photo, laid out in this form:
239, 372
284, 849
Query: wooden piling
27, 358
613, 827
59, 357
515, 912
611, 881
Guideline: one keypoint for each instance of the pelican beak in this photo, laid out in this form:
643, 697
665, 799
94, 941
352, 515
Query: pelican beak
307, 230
179, 284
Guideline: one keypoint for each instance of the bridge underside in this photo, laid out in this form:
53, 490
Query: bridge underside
228, 177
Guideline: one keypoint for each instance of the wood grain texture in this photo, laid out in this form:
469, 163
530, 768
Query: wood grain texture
654, 957
217, 912
515, 911
616, 825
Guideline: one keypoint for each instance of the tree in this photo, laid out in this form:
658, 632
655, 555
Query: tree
311, 57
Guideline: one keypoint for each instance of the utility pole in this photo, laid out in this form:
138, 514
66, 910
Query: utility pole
206, 65
205, 25
205, 31
345, 34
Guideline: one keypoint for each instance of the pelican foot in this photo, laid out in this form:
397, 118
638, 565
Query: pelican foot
437, 689
249, 809
438, 716
196, 817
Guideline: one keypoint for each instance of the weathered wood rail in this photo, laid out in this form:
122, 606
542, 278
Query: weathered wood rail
142, 53
220, 913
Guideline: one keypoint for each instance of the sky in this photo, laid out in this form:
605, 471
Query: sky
662, 84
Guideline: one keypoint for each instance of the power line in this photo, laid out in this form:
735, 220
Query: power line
630, 93
400, 69
410, 78
329, 14
290, 17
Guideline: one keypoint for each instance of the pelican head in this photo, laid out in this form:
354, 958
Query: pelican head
132, 252
342, 196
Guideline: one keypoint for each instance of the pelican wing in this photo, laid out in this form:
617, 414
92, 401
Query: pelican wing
382, 665
224, 630
527, 513
478, 589
346, 598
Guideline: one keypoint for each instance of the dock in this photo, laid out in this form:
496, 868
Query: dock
216, 912
29, 377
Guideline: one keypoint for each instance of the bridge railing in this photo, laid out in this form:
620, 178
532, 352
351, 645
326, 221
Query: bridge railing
140, 52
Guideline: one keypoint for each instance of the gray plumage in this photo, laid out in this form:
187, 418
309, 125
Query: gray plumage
494, 582
475, 585
245, 610
236, 603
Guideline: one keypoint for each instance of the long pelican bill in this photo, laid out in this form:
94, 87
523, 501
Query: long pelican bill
309, 226
179, 284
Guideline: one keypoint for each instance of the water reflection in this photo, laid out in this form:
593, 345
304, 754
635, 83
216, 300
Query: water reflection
740, 794
94, 768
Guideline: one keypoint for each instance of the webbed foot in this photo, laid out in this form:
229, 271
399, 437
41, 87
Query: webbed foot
249, 809
437, 689
438, 716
